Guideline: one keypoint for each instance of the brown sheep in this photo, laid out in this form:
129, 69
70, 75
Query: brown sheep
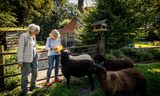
114, 64
126, 81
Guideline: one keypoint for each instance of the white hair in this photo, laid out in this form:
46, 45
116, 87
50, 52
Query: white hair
33, 27
54, 31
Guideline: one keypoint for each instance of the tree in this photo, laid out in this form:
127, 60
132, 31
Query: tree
80, 5
124, 21
7, 16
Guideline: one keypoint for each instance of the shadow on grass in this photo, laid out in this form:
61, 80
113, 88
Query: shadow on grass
81, 88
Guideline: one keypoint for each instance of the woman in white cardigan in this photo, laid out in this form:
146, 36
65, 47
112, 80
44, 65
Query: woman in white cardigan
27, 57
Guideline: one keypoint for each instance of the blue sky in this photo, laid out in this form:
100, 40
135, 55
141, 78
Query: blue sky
86, 2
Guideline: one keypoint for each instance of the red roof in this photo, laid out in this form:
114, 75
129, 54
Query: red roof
70, 27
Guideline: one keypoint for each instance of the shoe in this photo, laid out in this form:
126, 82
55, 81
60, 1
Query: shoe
29, 93
57, 80
48, 84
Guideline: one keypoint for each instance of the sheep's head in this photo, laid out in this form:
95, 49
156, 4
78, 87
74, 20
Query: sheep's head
65, 53
99, 58
97, 69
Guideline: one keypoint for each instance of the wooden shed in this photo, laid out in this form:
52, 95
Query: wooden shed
67, 33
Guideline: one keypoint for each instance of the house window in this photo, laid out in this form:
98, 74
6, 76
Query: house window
69, 44
70, 35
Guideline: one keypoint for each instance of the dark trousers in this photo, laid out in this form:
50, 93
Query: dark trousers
51, 63
26, 69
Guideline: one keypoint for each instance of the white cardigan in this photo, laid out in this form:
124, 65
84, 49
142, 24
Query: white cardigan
25, 48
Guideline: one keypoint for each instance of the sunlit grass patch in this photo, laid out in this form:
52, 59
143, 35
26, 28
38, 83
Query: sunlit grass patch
152, 74
143, 44
154, 70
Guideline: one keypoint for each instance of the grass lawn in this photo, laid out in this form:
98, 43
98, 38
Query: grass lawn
82, 88
142, 44
152, 74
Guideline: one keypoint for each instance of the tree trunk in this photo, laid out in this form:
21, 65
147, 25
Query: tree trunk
80, 5
2, 61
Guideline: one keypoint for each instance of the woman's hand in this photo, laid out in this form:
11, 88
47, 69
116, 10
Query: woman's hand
59, 48
53, 48
20, 64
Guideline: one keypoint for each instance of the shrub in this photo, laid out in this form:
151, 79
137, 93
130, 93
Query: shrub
156, 53
136, 55
118, 53
111, 56
11, 82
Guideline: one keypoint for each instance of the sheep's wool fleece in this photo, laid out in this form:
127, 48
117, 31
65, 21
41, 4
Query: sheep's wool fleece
81, 57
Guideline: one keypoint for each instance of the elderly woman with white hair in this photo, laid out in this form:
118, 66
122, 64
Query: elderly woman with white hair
27, 57
53, 45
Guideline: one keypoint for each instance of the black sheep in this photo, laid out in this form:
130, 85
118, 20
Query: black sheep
114, 64
76, 66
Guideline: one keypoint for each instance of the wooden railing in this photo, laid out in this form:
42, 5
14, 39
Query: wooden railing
90, 49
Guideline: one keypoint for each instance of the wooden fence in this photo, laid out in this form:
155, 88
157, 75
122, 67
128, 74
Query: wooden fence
90, 49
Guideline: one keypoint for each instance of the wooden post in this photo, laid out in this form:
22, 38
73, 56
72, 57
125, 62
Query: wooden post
103, 43
66, 39
100, 26
2, 60
98, 45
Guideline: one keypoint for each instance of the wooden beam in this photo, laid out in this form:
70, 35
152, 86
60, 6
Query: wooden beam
99, 30
2, 61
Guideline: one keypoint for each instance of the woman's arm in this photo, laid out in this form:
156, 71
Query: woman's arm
48, 44
20, 50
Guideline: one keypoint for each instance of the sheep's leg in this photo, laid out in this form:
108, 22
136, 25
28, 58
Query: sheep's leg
67, 76
106, 94
143, 91
142, 88
91, 81
68, 81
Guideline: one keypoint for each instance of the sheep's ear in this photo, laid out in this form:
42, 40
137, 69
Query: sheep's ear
101, 63
69, 53
63, 50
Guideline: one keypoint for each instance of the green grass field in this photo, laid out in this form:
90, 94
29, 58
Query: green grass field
82, 88
143, 44
152, 74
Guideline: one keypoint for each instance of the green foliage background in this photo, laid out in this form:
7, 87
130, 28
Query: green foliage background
46, 13
128, 21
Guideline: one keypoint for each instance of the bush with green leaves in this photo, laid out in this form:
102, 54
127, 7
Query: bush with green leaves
156, 53
137, 55
11, 82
